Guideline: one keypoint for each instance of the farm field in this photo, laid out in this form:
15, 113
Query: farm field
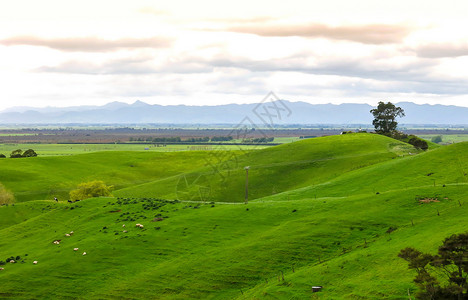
331, 211
72, 149
448, 138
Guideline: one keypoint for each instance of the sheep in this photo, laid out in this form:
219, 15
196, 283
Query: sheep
125, 231
75, 249
84, 253
56, 242
71, 232
67, 234
139, 225
123, 225
1, 269
12, 261
35, 262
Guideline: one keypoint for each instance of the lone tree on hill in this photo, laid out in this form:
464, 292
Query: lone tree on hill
441, 276
384, 117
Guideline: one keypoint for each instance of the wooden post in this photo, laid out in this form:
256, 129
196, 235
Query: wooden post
246, 184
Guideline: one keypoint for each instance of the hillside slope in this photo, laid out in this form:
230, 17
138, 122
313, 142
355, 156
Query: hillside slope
276, 169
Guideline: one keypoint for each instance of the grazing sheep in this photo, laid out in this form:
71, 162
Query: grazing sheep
125, 231
57, 242
67, 234
1, 269
35, 262
12, 261
75, 249
141, 226
138, 225
84, 253
71, 232
123, 225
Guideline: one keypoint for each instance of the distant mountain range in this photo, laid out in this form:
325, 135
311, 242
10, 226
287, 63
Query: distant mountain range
279, 112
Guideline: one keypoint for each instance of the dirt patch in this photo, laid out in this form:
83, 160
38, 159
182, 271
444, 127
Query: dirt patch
428, 200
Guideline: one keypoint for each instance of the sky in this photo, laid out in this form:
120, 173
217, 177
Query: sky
210, 52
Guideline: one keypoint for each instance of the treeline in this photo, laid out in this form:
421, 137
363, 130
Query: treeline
258, 140
198, 140
18, 153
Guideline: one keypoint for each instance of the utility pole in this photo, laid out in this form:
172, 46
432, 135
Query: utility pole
246, 184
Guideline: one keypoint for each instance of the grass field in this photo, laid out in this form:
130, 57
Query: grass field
72, 149
448, 138
341, 209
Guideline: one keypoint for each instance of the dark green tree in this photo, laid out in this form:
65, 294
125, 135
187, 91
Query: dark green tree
29, 153
450, 266
384, 117
437, 139
16, 153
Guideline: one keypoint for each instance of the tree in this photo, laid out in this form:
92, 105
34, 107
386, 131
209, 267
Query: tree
418, 143
437, 139
450, 264
16, 153
6, 197
2, 155
29, 153
90, 189
384, 117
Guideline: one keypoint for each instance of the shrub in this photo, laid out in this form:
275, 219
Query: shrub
2, 155
418, 143
6, 197
437, 139
16, 153
29, 153
90, 189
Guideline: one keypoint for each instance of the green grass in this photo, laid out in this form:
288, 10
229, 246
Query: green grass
276, 169
72, 149
447, 138
325, 225
46, 177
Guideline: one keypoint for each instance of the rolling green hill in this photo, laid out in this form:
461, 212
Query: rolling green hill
343, 208
276, 169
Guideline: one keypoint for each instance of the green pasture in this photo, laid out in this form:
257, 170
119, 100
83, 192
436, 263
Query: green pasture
332, 211
447, 138
72, 149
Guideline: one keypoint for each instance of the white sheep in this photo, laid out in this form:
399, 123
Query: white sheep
71, 232
12, 261
67, 234
35, 262
75, 249
123, 225
84, 253
1, 269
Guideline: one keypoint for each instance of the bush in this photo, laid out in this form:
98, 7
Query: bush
29, 153
418, 143
2, 155
6, 197
16, 153
437, 139
90, 189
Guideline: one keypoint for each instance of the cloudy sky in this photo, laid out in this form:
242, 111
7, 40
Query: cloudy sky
208, 52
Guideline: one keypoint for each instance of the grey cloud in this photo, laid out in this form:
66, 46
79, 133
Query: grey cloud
366, 34
442, 50
415, 76
88, 44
